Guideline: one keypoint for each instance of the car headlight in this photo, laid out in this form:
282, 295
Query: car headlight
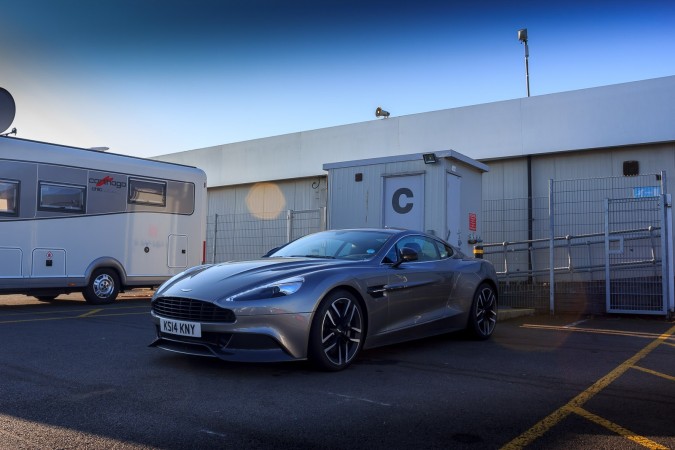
277, 289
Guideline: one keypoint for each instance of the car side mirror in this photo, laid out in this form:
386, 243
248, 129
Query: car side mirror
406, 255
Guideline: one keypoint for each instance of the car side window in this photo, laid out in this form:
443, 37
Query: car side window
426, 249
445, 251
392, 255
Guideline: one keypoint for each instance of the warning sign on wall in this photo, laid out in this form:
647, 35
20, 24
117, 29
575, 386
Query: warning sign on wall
472, 221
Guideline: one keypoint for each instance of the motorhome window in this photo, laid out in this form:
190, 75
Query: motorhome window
9, 194
146, 192
62, 197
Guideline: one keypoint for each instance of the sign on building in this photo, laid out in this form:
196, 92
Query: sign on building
403, 202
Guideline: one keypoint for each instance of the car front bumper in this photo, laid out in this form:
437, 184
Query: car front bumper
256, 338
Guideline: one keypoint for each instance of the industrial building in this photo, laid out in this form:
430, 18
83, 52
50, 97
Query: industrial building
558, 168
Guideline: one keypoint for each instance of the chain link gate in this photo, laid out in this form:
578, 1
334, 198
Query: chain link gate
634, 254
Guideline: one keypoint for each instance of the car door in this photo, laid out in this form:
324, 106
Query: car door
419, 291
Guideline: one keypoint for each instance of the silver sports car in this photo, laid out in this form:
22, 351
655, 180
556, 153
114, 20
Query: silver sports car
326, 296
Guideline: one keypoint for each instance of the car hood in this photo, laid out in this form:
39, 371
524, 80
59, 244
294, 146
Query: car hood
215, 282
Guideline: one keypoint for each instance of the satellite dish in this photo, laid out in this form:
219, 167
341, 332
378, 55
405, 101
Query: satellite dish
7, 109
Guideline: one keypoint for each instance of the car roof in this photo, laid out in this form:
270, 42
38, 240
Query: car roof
380, 230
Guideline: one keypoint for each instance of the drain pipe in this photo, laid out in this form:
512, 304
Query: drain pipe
530, 218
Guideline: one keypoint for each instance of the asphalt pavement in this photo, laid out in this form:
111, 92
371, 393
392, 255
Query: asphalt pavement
79, 376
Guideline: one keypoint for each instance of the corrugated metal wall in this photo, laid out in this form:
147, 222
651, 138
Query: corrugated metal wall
507, 178
246, 221
268, 200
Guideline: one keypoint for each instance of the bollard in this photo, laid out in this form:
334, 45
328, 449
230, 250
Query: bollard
478, 251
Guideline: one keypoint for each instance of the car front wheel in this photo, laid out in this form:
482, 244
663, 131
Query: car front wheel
483, 315
337, 331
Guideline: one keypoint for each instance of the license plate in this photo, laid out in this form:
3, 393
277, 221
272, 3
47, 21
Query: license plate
181, 328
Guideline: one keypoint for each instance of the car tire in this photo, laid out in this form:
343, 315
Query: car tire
46, 298
103, 287
337, 332
483, 314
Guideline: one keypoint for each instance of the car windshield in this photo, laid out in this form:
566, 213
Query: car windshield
346, 244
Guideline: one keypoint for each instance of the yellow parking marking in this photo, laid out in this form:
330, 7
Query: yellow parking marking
591, 330
653, 372
544, 425
83, 316
668, 343
67, 311
90, 313
618, 429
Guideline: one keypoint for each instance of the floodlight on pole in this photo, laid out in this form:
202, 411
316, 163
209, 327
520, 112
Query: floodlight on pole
522, 37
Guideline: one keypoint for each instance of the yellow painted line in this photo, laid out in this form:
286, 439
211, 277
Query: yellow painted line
45, 319
668, 343
544, 425
90, 313
618, 429
653, 372
68, 311
592, 330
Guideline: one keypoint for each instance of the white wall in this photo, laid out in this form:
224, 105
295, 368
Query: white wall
624, 114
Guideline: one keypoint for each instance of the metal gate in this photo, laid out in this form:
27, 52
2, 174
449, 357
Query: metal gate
634, 254
593, 246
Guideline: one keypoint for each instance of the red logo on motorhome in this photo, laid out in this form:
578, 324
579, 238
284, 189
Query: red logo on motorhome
99, 184
107, 179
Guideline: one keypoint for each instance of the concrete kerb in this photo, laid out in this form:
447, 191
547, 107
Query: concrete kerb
507, 313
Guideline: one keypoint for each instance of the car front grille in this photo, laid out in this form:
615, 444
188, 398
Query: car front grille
192, 310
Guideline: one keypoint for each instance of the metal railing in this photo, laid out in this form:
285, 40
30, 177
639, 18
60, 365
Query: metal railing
568, 243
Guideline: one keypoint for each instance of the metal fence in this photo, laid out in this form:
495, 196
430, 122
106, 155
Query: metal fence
516, 233
592, 246
238, 237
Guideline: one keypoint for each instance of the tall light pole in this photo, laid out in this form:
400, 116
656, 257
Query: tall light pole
522, 37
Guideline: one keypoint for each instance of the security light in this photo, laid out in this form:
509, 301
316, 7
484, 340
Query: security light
429, 158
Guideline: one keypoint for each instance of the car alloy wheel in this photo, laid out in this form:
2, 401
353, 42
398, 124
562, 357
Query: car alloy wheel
483, 317
337, 331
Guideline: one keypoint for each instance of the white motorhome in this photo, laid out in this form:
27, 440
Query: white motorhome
79, 220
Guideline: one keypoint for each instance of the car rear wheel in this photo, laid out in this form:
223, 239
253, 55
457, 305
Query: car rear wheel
103, 287
483, 316
337, 331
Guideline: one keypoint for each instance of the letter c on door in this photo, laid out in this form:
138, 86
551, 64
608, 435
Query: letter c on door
396, 201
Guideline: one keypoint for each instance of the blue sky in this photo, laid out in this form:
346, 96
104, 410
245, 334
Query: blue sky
149, 77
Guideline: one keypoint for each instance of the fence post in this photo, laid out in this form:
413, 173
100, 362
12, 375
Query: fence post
215, 238
669, 252
289, 225
668, 273
551, 246
608, 284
